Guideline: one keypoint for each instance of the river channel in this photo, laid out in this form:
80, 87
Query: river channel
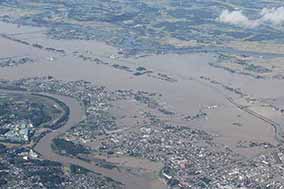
43, 147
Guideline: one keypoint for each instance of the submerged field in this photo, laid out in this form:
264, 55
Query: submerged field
160, 92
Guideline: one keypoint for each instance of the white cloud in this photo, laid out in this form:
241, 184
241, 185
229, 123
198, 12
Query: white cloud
274, 16
237, 18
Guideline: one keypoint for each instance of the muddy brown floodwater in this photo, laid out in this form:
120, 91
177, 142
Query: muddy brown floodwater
76, 115
187, 96
43, 147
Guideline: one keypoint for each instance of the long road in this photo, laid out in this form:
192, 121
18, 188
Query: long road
279, 137
276, 126
76, 114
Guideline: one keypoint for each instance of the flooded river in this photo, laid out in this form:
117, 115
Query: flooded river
76, 115
186, 96
43, 147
